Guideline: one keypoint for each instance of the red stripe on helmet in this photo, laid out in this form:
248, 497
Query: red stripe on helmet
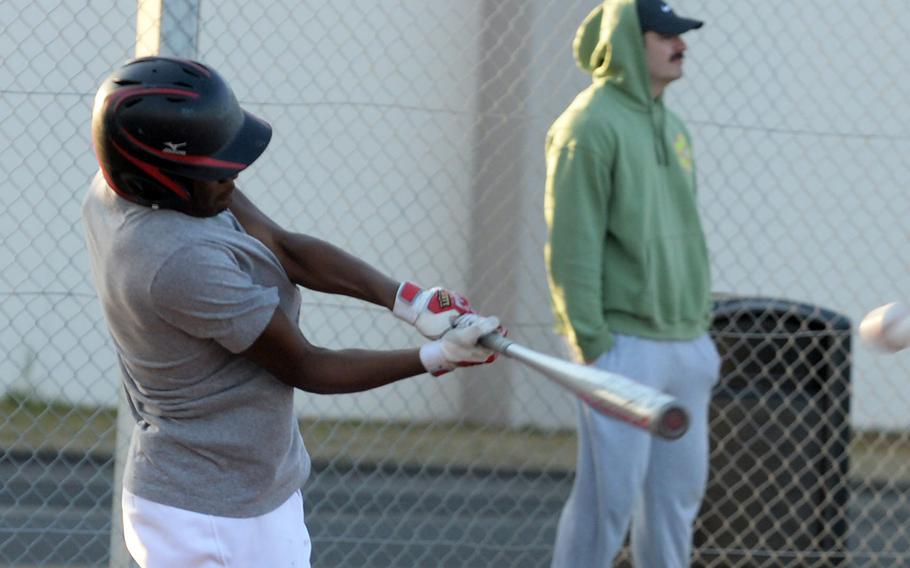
110, 182
189, 159
154, 173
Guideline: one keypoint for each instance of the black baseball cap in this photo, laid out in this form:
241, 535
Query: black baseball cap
658, 16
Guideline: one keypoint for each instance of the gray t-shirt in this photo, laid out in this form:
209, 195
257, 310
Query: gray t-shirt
215, 433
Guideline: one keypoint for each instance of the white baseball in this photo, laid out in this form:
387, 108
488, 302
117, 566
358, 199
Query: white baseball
887, 328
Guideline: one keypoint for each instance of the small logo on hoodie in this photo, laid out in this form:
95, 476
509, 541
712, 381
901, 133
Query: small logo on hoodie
683, 152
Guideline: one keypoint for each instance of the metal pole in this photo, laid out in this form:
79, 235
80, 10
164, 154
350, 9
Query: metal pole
163, 27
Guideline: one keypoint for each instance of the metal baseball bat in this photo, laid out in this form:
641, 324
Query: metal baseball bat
611, 394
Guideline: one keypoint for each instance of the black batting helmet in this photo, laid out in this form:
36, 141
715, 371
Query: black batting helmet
160, 121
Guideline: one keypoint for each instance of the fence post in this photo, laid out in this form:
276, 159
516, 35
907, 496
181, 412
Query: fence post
167, 27
163, 27
498, 192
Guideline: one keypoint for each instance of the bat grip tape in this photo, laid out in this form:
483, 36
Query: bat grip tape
496, 342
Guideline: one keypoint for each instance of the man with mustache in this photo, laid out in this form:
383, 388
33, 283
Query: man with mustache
630, 285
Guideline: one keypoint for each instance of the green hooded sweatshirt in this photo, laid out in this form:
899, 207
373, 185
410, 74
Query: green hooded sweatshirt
626, 252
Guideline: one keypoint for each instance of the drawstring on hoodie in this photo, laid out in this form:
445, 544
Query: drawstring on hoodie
658, 126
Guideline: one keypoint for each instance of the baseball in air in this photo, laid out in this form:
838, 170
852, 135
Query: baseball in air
887, 328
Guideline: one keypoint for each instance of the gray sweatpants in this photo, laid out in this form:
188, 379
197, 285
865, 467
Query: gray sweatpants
625, 475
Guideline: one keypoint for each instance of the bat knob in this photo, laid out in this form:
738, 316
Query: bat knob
673, 423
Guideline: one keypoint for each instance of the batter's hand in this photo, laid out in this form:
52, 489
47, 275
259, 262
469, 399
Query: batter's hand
432, 311
458, 347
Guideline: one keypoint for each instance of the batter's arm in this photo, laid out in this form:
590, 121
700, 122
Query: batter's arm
282, 350
314, 263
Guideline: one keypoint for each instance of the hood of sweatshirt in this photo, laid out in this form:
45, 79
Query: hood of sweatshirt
609, 46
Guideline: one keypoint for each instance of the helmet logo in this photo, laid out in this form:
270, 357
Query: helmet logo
178, 148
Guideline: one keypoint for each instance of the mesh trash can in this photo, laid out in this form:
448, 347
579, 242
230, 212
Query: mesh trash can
778, 489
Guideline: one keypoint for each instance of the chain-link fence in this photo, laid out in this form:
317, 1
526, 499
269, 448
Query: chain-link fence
410, 132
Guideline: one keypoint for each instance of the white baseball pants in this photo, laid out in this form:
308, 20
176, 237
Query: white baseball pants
159, 536
627, 476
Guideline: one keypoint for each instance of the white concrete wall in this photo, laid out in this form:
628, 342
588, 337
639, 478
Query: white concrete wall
372, 105
799, 118
52, 339
796, 110
799, 125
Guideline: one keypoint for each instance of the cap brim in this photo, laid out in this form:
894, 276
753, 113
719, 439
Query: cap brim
677, 26
249, 143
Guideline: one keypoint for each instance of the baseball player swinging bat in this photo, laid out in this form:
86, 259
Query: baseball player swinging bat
613, 395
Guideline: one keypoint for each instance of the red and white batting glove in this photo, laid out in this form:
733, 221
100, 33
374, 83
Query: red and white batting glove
432, 311
458, 347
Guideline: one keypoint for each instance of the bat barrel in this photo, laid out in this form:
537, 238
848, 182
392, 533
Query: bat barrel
608, 393
661, 415
671, 422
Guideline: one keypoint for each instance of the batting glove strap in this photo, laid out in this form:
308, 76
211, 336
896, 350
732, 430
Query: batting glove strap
434, 360
406, 305
432, 311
